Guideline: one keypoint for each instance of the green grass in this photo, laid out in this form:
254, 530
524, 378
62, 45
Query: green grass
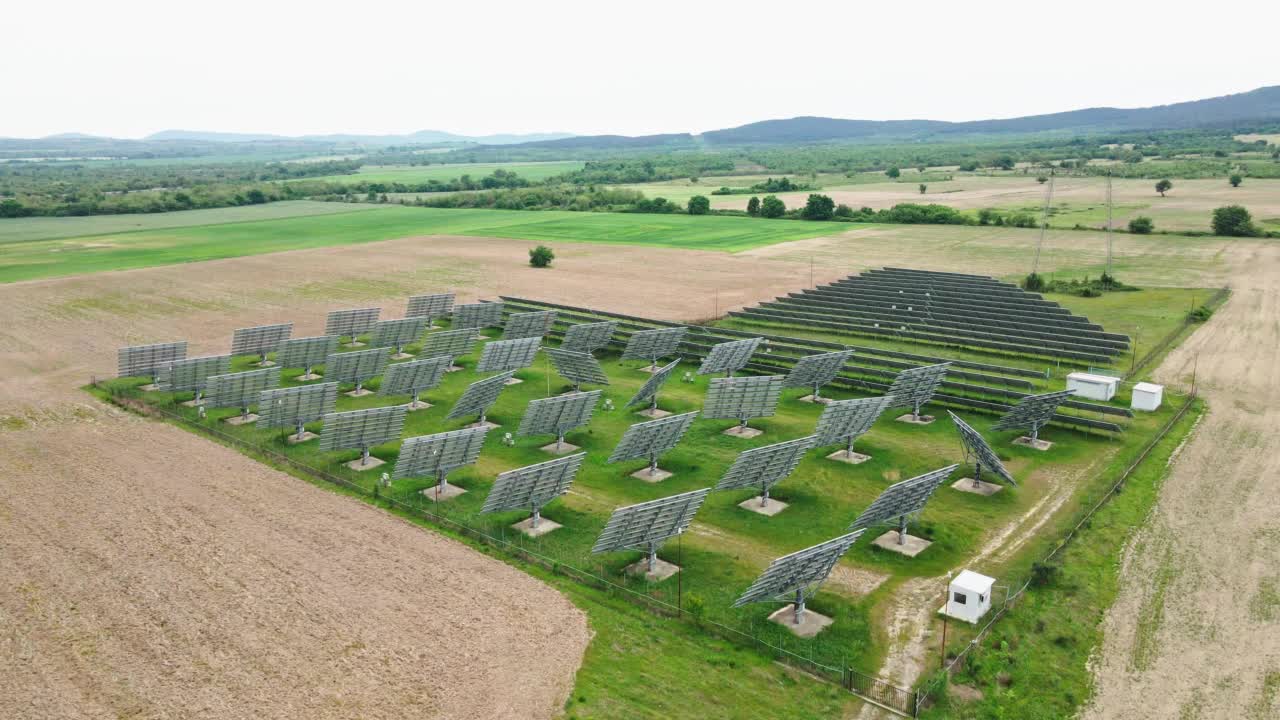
361, 224
533, 171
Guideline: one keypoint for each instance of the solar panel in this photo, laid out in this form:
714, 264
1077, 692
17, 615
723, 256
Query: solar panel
533, 486
814, 371
648, 524
1033, 412
764, 467
146, 360
743, 398
903, 499
847, 420
296, 406
430, 306
503, 355
529, 324
356, 367
306, 352
588, 337
449, 343
728, 357
915, 386
558, 415
649, 391
651, 439
412, 378
976, 448
653, 345
260, 340
577, 367
439, 454
191, 374
475, 316
802, 573
240, 390
398, 333
479, 396
350, 323
362, 429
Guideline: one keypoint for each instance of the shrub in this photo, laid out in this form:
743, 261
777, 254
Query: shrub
1033, 282
772, 207
695, 606
699, 205
988, 216
1022, 220
923, 188
1233, 221
1164, 186
843, 211
1235, 180
893, 172
1141, 225
818, 207
541, 256
1044, 574
753, 206
1200, 314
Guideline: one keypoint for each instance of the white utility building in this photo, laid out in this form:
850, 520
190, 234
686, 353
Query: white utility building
969, 596
1147, 396
1093, 386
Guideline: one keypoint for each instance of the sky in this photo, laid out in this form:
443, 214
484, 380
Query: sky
131, 68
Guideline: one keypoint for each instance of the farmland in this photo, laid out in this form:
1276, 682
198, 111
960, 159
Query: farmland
532, 171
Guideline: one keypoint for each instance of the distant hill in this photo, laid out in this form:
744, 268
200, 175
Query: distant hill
422, 137
673, 140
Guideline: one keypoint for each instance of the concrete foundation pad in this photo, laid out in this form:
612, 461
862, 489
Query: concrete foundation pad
544, 526
418, 405
485, 424
820, 400
265, 363
911, 420
149, 387
753, 504
661, 570
811, 623
359, 393
453, 368
440, 494
913, 546
561, 449
743, 432
242, 419
512, 381
844, 456
401, 356
193, 403
305, 436
309, 376
656, 476
369, 464
649, 369
982, 488
1040, 445
653, 413
354, 344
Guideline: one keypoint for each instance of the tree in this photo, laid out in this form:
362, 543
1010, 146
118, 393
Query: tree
1233, 221
1005, 162
1141, 225
893, 172
1042, 179
772, 207
12, 209
923, 188
818, 207
1164, 186
1235, 179
699, 205
753, 206
988, 216
922, 168
541, 256
255, 197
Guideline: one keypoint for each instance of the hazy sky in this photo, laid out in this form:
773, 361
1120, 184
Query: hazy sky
129, 68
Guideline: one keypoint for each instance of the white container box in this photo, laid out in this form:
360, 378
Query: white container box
969, 596
1094, 387
1147, 396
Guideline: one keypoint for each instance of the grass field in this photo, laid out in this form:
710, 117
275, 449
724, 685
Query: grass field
422, 173
96, 252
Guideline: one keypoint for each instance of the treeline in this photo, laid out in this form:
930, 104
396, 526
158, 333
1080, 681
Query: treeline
647, 169
498, 179
560, 197
195, 198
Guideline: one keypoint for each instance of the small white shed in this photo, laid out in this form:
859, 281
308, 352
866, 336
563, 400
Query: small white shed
969, 596
1092, 386
1147, 396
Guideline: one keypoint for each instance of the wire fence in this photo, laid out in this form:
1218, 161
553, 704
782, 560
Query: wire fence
1166, 342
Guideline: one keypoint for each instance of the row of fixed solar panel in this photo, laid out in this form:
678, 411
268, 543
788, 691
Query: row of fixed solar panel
890, 292
986, 286
1073, 323
861, 295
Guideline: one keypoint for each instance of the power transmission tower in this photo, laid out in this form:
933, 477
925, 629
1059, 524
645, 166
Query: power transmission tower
1044, 223
1107, 280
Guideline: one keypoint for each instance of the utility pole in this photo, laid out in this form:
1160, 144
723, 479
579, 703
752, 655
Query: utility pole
1109, 239
1044, 222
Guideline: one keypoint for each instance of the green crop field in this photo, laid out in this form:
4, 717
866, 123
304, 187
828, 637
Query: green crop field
422, 173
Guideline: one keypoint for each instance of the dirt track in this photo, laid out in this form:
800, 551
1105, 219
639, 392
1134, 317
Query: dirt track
149, 573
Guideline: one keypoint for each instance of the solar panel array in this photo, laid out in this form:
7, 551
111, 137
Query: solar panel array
649, 391
356, 367
1032, 412
294, 406
479, 396
814, 371
259, 340
741, 398
146, 360
532, 486
350, 323
307, 351
648, 524
477, 315
430, 306
413, 377
534, 324
847, 420
728, 357
191, 373
362, 429
503, 355
904, 498
800, 572
558, 415
764, 467
915, 386
588, 337
240, 390
398, 333
976, 446
448, 343
653, 438
439, 454
577, 367
654, 344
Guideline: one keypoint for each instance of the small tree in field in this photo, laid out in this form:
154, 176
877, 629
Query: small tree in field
1164, 186
541, 256
893, 172
699, 205
818, 207
1233, 221
772, 207
753, 206
1141, 225
1235, 180
1042, 179
923, 188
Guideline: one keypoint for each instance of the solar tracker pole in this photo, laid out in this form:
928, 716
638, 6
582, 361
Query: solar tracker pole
537, 517
652, 560
902, 529
799, 609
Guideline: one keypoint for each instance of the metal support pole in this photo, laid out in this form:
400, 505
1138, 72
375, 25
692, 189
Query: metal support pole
799, 609
764, 498
442, 480
653, 464
537, 516
559, 442
364, 455
817, 390
849, 450
414, 401
902, 530
301, 429
915, 411
977, 474
653, 403
653, 556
